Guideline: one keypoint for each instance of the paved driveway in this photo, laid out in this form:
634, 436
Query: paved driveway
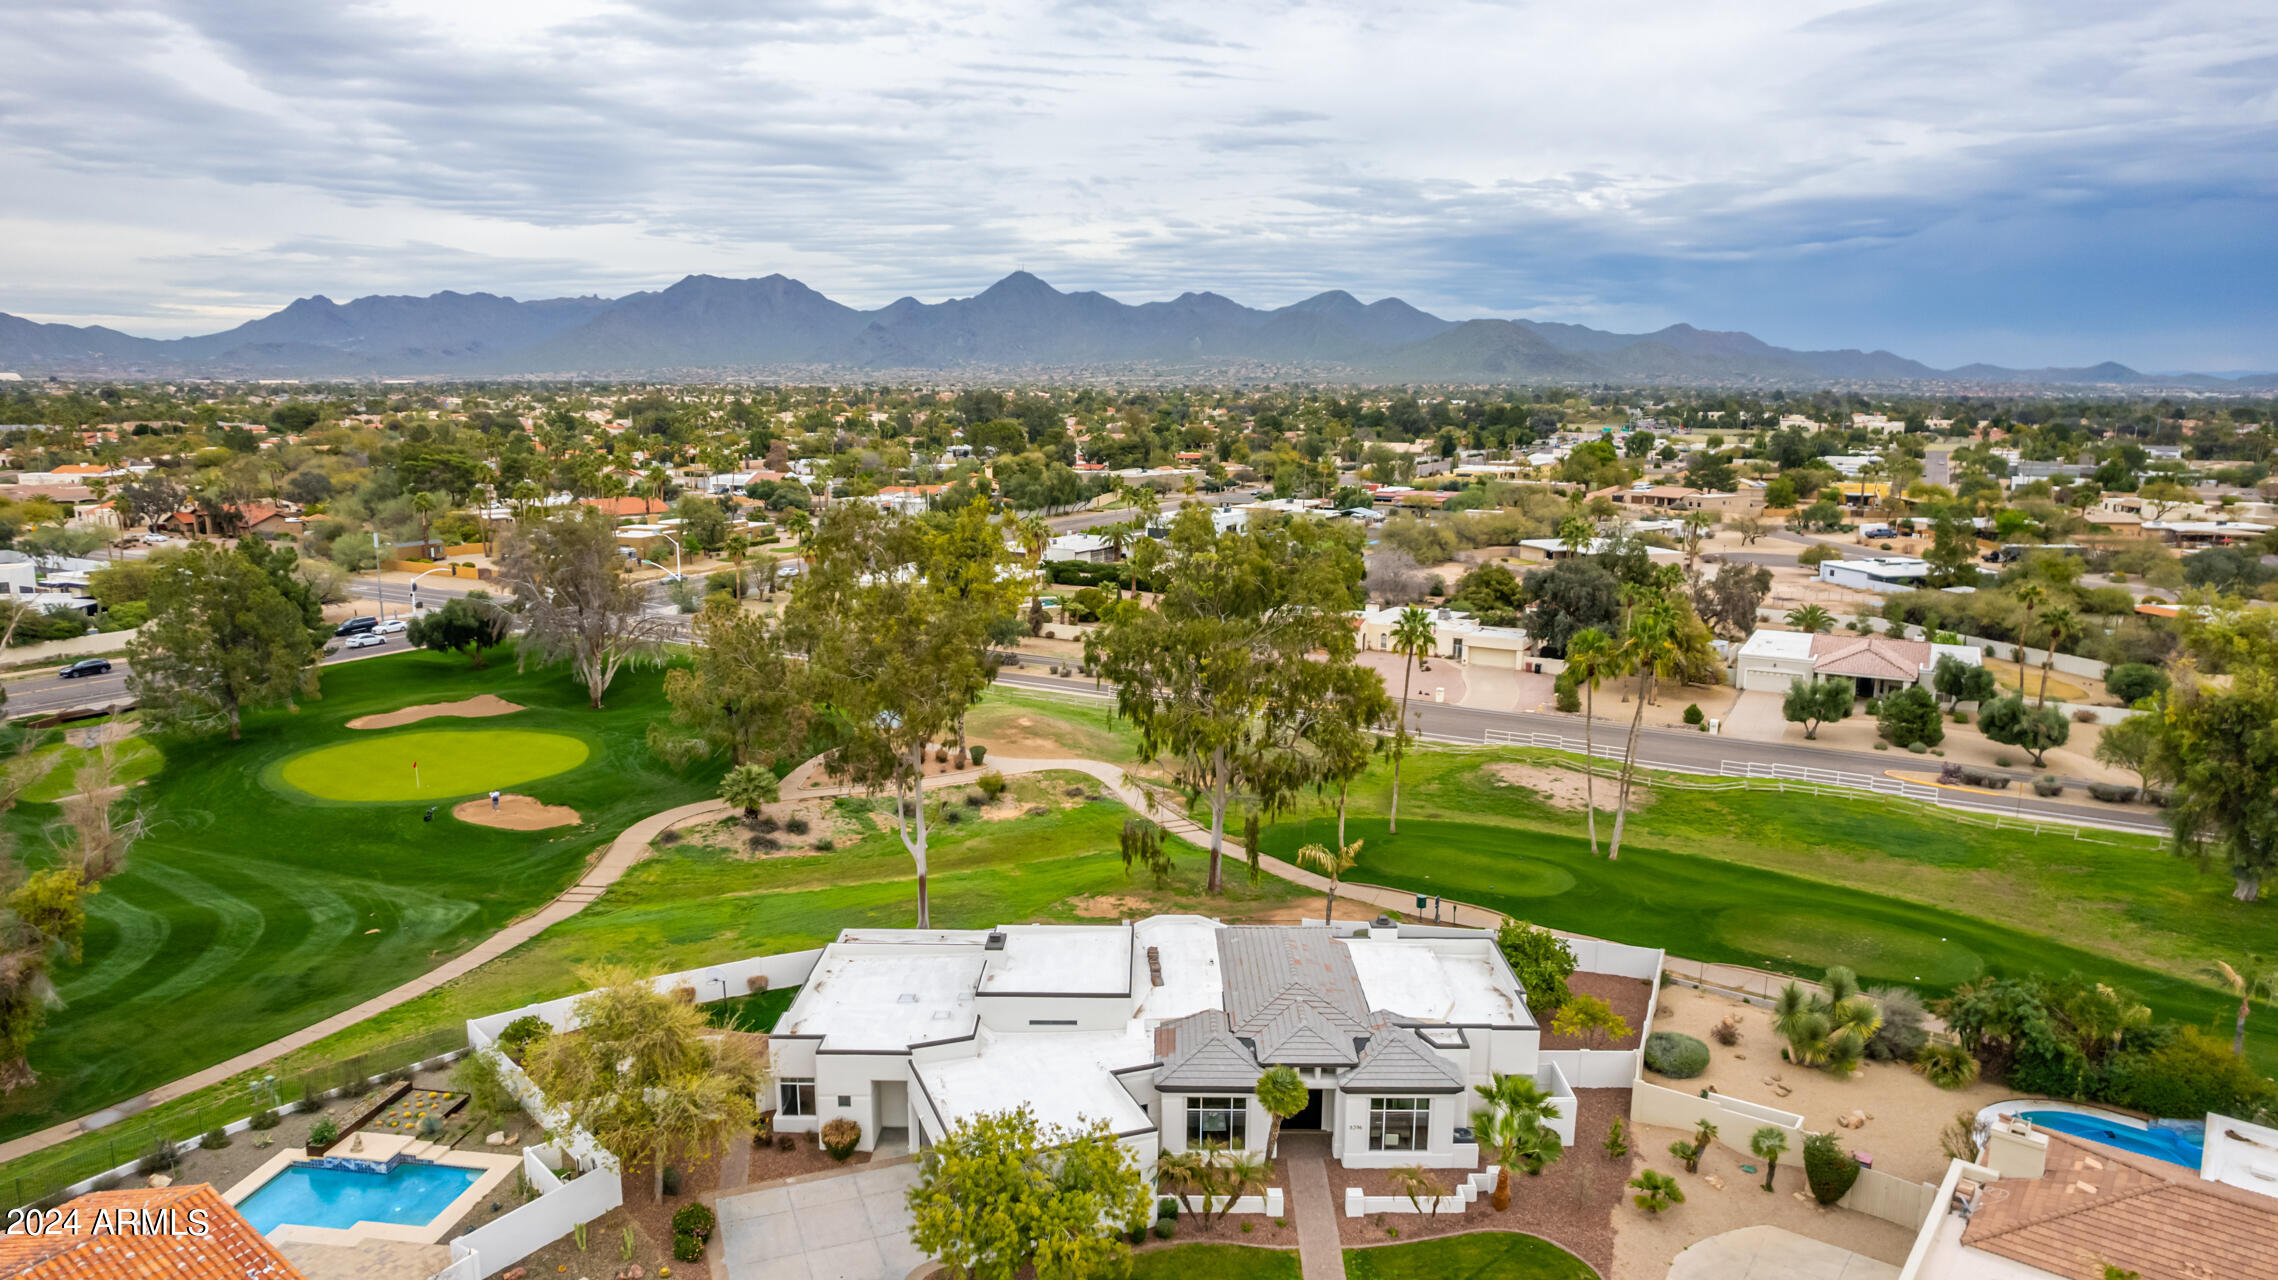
1771, 1253
855, 1226
1760, 715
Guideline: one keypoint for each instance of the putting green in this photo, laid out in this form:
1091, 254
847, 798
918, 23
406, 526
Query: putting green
1868, 946
461, 763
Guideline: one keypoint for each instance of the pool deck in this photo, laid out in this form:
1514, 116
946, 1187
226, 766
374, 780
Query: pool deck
379, 1147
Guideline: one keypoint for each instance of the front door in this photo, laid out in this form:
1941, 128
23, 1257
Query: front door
1310, 1117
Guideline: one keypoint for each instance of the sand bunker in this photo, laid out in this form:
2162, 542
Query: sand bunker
1564, 788
475, 708
514, 813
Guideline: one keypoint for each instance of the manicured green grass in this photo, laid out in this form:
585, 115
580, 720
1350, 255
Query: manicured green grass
1685, 883
131, 761
430, 764
245, 914
756, 1012
1480, 1255
1214, 1262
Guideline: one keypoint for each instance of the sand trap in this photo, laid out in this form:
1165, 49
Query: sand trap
1564, 788
514, 813
475, 708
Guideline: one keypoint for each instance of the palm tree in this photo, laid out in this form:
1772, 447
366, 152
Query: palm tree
1119, 536
1590, 655
1035, 538
1416, 1182
2031, 595
2057, 626
1146, 504
1575, 534
1811, 618
1333, 865
1768, 1143
423, 505
1657, 644
1283, 1095
1412, 638
1511, 1125
1797, 1021
2256, 976
1693, 529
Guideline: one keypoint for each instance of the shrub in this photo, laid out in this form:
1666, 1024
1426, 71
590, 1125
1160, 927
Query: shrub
1947, 1065
1166, 1207
2048, 784
2082, 715
825, 844
214, 1140
979, 754
1917, 748
161, 1157
1961, 717
265, 1119
694, 1220
785, 1142
951, 817
1693, 713
841, 1136
1904, 1027
2112, 792
325, 1132
974, 799
1569, 698
2133, 680
2003, 761
1165, 1228
795, 825
1911, 716
941, 755
1540, 960
1675, 1055
765, 824
686, 1248
430, 1127
991, 784
517, 1037
672, 1180
1828, 1168
2190, 1075
1727, 1030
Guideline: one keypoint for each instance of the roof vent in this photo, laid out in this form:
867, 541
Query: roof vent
996, 941
907, 997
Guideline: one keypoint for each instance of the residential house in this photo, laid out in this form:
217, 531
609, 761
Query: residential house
2197, 534
1877, 664
1877, 573
1677, 497
1456, 636
1161, 1028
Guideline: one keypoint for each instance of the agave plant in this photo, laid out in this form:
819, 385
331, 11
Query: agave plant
1947, 1065
1830, 1028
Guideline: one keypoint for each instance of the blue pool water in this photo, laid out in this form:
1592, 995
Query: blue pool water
2159, 1144
311, 1195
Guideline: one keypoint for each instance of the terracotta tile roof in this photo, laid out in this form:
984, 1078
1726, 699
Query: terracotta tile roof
2098, 1205
622, 507
1874, 657
178, 1233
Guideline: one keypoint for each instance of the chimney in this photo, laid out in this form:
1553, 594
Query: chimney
2014, 1149
1154, 966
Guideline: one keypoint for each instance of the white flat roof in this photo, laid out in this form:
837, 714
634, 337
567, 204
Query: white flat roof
1061, 958
1795, 645
1186, 947
1064, 1077
1450, 982
889, 995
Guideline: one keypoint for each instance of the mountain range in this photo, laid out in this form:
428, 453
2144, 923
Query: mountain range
708, 325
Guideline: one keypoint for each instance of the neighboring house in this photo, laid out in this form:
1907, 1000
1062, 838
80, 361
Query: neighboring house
1771, 660
1677, 497
908, 499
1877, 573
74, 474
1161, 1028
628, 510
2205, 533
260, 519
179, 1233
1556, 549
1455, 636
2077, 1210
1088, 547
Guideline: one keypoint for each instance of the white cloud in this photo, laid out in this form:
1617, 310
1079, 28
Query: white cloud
1618, 162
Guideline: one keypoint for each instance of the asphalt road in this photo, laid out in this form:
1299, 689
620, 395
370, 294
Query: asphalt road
1695, 750
46, 691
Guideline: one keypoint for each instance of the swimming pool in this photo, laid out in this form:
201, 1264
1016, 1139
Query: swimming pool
2159, 1144
412, 1192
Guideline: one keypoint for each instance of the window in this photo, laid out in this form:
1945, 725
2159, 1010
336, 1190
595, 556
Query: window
1218, 1122
1399, 1124
796, 1097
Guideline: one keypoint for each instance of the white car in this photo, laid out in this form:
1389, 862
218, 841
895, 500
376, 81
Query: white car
155, 539
392, 626
365, 640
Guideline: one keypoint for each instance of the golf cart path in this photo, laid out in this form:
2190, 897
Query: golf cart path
634, 843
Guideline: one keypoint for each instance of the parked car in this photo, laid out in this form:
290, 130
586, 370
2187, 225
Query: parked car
356, 626
155, 539
392, 626
366, 640
86, 667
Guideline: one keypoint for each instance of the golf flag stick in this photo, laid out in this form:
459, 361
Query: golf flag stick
415, 775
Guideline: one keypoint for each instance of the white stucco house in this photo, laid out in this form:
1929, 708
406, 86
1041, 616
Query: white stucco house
1161, 1028
1772, 660
1877, 573
1456, 636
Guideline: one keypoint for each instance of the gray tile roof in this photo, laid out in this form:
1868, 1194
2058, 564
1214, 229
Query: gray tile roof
1205, 1057
1293, 992
1398, 1061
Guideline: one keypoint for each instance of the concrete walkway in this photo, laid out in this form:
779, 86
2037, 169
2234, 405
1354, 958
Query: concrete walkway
1771, 1253
1320, 1249
850, 1226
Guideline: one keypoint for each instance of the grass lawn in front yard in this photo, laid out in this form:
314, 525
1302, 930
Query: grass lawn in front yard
1214, 1262
1480, 1255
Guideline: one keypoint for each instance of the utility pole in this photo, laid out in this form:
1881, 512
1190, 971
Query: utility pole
379, 583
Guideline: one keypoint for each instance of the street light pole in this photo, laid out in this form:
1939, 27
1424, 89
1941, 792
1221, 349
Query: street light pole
379, 583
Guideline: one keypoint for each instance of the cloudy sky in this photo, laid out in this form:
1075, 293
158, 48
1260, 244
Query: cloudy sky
1955, 180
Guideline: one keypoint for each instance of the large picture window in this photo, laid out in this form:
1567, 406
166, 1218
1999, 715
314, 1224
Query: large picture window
1399, 1124
796, 1097
1218, 1122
